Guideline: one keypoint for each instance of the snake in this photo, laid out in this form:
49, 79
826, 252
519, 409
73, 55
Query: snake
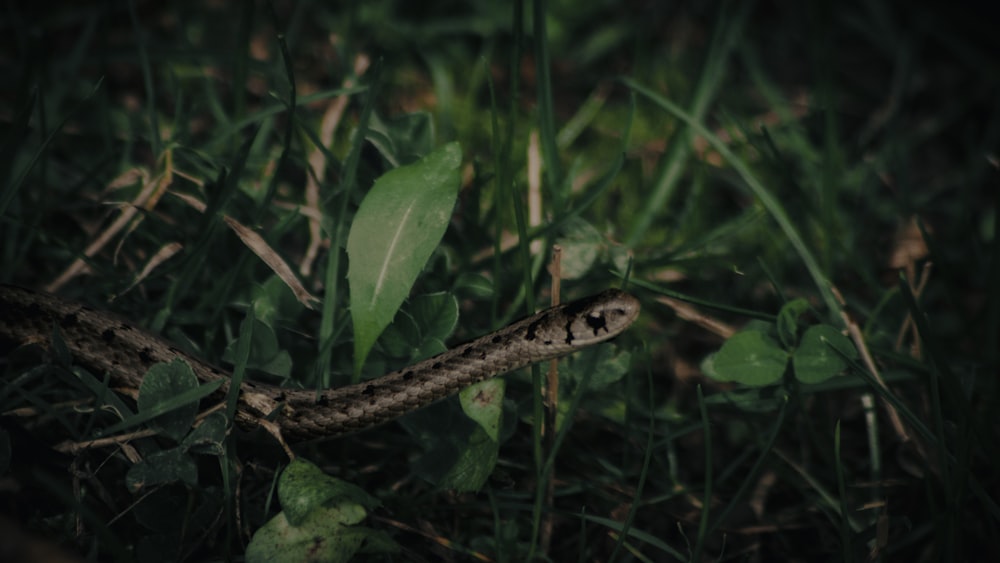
108, 343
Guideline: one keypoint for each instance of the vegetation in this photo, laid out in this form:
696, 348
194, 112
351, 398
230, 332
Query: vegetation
803, 197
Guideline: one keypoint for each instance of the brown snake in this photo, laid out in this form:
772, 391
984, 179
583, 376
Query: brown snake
108, 343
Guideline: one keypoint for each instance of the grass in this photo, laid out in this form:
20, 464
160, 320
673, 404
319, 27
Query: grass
747, 168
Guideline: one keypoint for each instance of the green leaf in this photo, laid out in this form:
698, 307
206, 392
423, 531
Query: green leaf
273, 300
474, 465
192, 396
303, 487
751, 358
402, 338
319, 520
788, 321
166, 466
436, 313
161, 386
483, 403
581, 246
396, 229
209, 436
816, 359
603, 365
320, 537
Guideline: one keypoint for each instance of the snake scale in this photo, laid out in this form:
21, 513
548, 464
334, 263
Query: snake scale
110, 344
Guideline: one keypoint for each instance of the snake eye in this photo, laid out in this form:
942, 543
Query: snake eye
596, 321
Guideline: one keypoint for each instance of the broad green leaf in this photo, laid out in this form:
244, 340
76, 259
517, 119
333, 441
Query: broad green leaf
303, 487
167, 466
320, 537
817, 359
436, 313
475, 463
396, 229
401, 338
601, 365
590, 371
163, 383
751, 358
208, 436
273, 300
581, 246
319, 520
483, 403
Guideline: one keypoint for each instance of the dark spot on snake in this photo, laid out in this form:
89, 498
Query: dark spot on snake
597, 322
407, 375
146, 355
69, 320
548, 343
216, 371
108, 335
569, 330
437, 365
368, 390
468, 351
124, 327
496, 339
322, 401
530, 334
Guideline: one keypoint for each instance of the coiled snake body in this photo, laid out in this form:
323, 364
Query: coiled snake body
108, 343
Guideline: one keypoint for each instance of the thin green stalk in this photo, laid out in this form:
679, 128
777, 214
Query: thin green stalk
536, 379
229, 457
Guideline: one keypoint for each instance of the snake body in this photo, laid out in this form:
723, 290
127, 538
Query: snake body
110, 344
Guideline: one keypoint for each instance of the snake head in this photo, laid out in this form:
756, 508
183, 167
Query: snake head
600, 317
577, 324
